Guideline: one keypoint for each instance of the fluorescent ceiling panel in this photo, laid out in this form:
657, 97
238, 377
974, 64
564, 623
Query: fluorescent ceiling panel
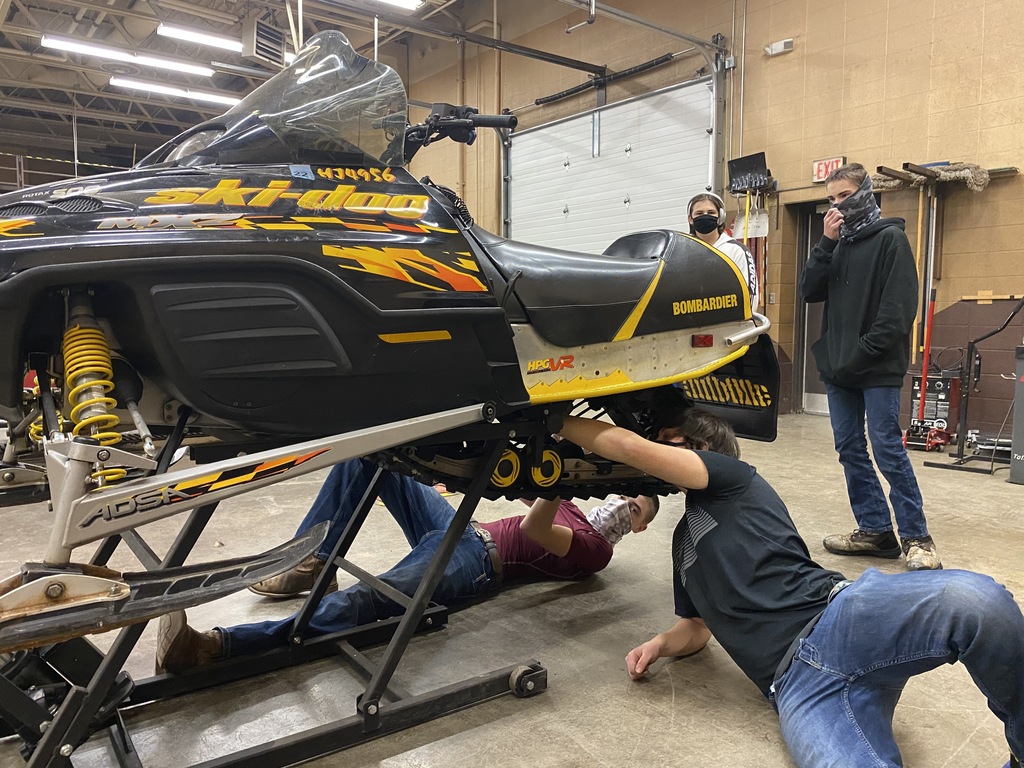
104, 52
202, 38
170, 90
409, 5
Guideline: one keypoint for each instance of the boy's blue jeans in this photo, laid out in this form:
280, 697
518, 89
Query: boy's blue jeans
837, 698
424, 517
880, 407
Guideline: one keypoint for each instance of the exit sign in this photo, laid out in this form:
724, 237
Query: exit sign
820, 169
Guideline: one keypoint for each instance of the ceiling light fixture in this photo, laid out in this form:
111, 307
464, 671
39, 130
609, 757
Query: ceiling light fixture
202, 38
409, 5
103, 52
170, 90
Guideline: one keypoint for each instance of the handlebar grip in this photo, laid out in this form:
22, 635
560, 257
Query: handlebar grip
495, 121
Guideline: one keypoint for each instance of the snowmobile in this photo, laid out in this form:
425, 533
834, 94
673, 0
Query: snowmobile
273, 292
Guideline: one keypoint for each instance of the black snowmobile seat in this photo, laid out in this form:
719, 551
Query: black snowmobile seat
578, 298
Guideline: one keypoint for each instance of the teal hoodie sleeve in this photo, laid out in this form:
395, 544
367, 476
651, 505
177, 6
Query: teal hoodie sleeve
814, 281
898, 305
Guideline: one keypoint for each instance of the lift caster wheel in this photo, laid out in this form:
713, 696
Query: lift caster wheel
528, 681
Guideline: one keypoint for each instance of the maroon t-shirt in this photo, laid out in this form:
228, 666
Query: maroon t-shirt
523, 558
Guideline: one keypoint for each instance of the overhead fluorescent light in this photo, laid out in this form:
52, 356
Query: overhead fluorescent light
409, 5
289, 57
104, 52
170, 90
202, 38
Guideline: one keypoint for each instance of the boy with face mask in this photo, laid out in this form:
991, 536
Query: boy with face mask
553, 540
705, 214
864, 271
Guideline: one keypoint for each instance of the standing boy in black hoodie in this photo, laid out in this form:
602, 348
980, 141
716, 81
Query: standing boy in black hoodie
864, 271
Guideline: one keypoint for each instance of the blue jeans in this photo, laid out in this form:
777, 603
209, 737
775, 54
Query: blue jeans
836, 700
847, 410
423, 515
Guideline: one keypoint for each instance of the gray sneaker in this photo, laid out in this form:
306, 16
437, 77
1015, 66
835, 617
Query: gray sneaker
921, 554
880, 544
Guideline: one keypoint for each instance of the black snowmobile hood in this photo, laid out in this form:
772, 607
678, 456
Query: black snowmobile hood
330, 113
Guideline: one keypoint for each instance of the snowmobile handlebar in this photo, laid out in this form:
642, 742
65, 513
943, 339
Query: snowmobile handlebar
495, 121
458, 123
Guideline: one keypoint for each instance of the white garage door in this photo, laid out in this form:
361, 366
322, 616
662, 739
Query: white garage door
581, 182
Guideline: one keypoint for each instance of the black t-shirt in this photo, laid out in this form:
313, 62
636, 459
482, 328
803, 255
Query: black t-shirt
740, 565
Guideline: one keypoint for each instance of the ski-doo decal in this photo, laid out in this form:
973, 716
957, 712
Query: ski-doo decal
191, 489
410, 266
247, 474
7, 228
230, 193
193, 221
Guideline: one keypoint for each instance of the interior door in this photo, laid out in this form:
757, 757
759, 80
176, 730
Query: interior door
814, 398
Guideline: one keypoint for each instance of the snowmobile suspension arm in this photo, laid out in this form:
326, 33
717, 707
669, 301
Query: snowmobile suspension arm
83, 517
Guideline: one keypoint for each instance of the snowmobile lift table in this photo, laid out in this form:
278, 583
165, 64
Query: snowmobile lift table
74, 690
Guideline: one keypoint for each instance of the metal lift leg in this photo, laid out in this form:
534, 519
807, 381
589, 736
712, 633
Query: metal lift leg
384, 707
80, 707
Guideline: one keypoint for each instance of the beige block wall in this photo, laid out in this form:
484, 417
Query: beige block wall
879, 81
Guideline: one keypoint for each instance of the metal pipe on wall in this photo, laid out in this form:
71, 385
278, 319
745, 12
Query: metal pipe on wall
917, 265
718, 117
743, 74
730, 143
709, 49
425, 27
496, 32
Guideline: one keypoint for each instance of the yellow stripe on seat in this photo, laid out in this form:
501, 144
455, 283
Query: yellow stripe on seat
629, 327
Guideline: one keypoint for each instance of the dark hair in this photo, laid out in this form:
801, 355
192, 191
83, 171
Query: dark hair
706, 197
854, 172
655, 506
702, 427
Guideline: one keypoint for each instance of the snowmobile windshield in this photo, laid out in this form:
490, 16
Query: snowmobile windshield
329, 105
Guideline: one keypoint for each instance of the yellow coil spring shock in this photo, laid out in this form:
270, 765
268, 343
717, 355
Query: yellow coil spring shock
88, 373
37, 430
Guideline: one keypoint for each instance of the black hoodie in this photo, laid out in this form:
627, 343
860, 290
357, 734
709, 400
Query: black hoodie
869, 285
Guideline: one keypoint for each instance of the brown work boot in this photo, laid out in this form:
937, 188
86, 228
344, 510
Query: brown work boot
180, 648
921, 554
296, 581
882, 544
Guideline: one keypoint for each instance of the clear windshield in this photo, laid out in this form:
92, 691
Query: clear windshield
334, 100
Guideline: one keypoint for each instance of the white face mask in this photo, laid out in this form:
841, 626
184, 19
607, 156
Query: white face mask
612, 519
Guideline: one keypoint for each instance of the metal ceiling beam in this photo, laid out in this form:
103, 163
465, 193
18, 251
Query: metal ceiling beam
101, 7
210, 14
88, 138
429, 27
201, 112
398, 32
5, 6
65, 109
706, 46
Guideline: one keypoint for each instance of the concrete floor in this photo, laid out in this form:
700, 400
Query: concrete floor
699, 711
